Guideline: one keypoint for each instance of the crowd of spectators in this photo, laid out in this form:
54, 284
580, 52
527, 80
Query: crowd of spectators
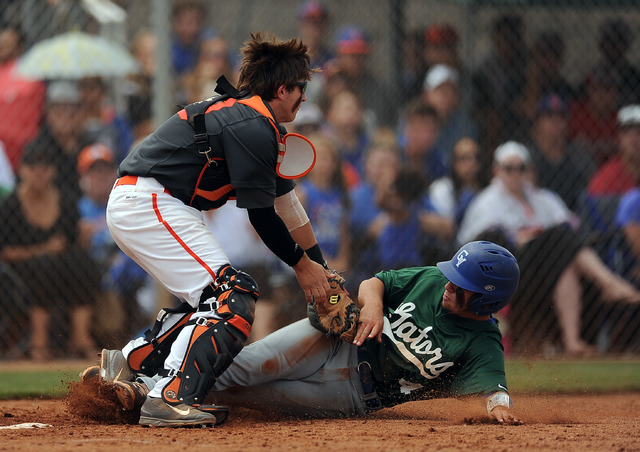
392, 187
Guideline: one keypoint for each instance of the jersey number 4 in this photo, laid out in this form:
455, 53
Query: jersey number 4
407, 386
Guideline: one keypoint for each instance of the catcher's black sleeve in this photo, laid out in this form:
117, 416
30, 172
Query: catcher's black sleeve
315, 254
275, 235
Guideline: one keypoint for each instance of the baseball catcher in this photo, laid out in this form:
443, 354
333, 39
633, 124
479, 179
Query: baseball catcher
230, 146
338, 314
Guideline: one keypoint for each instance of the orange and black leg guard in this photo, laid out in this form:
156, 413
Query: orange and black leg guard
212, 347
149, 358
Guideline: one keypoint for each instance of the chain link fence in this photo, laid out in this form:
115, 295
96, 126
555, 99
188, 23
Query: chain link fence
403, 81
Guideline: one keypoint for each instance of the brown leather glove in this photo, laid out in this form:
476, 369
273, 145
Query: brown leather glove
338, 315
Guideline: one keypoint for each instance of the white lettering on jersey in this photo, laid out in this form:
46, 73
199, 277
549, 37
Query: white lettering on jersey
407, 386
419, 344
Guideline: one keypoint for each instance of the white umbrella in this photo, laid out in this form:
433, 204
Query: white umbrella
75, 55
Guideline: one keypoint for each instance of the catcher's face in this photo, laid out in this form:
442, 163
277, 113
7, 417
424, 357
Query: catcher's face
295, 98
287, 101
455, 299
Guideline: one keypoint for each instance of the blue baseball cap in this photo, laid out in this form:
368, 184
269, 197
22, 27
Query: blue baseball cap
487, 269
552, 104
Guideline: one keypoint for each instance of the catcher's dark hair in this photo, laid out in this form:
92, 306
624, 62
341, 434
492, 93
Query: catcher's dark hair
268, 62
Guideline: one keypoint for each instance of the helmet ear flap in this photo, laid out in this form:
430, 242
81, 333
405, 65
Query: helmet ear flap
479, 305
475, 303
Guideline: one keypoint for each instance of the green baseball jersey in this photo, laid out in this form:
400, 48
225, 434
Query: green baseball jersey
427, 352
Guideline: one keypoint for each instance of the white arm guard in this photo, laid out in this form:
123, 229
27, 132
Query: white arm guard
498, 399
288, 208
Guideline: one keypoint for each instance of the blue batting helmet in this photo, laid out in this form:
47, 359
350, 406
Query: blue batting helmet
487, 269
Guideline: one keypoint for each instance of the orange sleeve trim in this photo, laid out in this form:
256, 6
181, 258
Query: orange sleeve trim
220, 105
254, 102
258, 105
182, 114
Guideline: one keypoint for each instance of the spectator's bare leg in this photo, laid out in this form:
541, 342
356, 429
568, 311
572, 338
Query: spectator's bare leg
82, 343
612, 286
567, 300
39, 347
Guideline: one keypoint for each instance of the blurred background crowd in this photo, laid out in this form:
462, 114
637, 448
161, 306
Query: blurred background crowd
434, 122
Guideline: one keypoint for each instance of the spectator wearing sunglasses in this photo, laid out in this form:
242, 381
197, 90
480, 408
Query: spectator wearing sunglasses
538, 226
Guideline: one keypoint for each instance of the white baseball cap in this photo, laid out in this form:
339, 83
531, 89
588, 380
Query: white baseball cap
629, 115
511, 149
309, 114
439, 74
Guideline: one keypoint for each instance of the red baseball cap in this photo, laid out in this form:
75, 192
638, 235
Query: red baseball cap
441, 35
352, 40
312, 10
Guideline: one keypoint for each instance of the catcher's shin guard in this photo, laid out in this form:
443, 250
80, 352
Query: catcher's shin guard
149, 358
214, 343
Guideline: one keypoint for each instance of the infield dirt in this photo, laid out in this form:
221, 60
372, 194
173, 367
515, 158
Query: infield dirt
551, 423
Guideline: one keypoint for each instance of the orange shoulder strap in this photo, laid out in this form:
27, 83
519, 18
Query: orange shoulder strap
258, 105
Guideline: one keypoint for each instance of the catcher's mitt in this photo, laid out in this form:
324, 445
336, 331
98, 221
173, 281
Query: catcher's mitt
338, 315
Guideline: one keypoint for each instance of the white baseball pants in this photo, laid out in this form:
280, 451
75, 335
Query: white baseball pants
171, 242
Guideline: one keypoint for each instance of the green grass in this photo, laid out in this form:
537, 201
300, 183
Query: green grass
530, 376
524, 376
37, 383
